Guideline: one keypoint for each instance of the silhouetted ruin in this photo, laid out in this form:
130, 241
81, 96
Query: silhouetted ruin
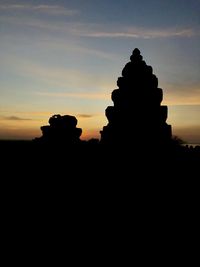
61, 129
137, 116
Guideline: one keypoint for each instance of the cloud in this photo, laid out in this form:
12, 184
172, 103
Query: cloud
91, 30
60, 77
84, 116
13, 6
75, 95
36, 113
143, 33
14, 118
45, 9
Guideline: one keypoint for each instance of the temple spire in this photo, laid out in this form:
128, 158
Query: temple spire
137, 114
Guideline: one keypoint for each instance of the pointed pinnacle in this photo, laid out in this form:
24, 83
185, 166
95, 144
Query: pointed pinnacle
136, 52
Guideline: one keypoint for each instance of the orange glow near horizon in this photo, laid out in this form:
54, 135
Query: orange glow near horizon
16, 128
183, 118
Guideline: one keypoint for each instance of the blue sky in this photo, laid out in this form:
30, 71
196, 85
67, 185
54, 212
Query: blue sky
65, 57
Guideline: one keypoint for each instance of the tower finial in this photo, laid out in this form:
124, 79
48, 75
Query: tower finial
136, 52
136, 55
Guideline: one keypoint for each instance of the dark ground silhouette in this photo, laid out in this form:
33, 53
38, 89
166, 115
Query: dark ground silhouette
92, 188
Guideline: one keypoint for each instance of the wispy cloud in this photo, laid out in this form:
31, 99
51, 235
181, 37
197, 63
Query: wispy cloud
59, 77
85, 116
14, 118
75, 95
47, 9
36, 113
143, 33
91, 30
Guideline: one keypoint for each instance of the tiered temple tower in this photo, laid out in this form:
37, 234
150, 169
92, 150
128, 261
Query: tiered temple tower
137, 116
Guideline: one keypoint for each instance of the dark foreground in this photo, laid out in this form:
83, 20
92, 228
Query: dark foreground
86, 160
90, 195
90, 175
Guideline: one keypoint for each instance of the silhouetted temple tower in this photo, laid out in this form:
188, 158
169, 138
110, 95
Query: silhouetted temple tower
62, 129
137, 116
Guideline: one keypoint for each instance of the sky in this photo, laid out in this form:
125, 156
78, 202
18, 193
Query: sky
64, 57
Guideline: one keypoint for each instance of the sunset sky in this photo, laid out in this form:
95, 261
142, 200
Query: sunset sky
64, 57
